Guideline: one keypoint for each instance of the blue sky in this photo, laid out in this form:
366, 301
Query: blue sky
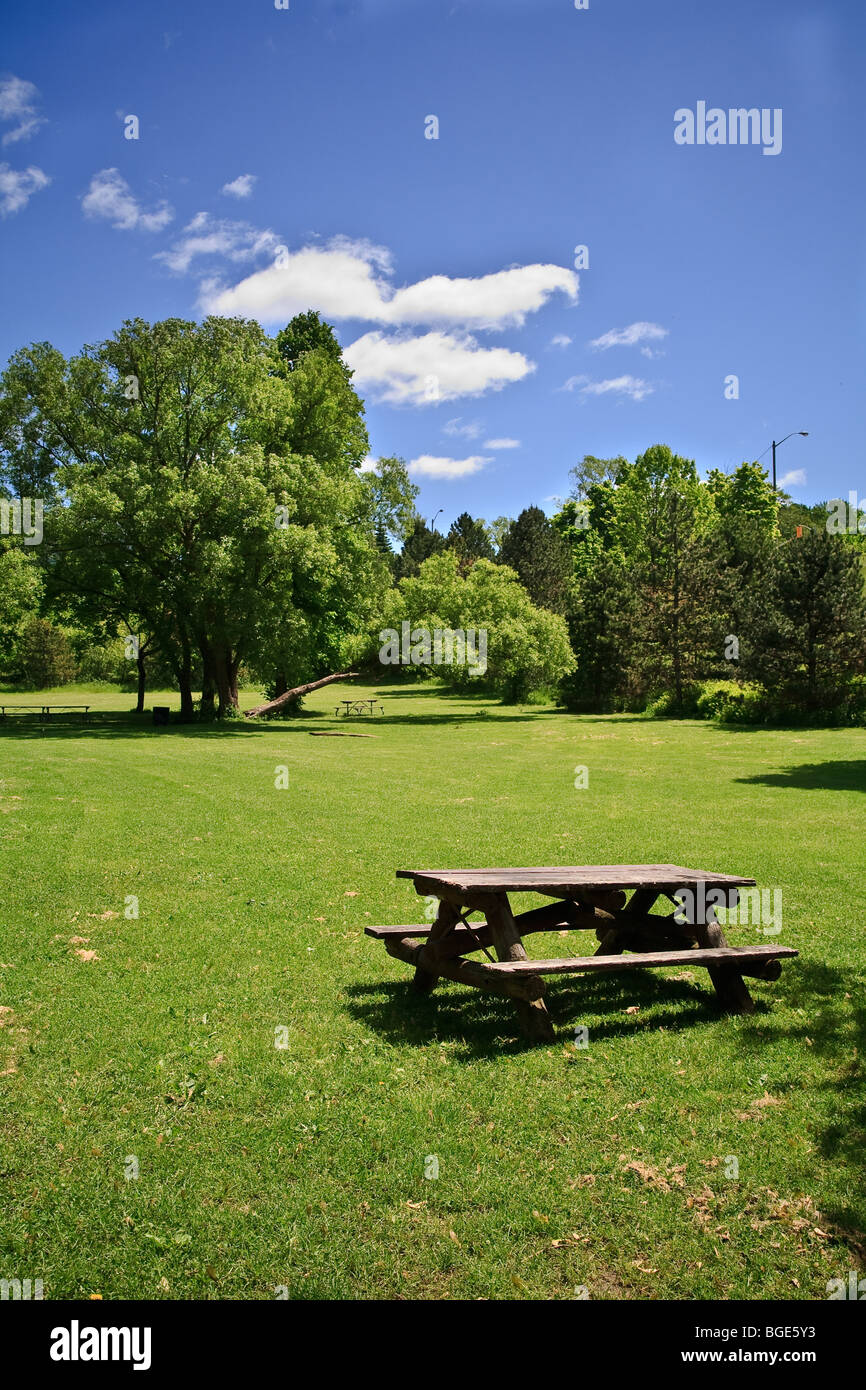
282, 163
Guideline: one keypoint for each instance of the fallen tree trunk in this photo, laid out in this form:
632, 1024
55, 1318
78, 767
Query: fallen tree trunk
289, 695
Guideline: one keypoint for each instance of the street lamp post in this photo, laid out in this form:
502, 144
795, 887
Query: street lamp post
776, 444
433, 519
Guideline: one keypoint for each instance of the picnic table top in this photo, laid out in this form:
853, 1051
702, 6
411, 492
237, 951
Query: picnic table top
562, 880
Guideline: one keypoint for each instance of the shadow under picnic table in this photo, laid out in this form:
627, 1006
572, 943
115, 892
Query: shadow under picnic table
483, 1024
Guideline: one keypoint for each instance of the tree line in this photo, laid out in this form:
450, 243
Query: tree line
210, 517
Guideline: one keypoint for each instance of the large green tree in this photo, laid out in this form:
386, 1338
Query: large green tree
526, 647
662, 515
186, 505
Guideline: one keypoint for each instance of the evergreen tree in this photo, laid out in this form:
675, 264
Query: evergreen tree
661, 512
601, 616
418, 546
46, 656
469, 540
535, 550
806, 633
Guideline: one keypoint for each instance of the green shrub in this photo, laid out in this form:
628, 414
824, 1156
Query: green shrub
857, 700
666, 705
713, 696
746, 704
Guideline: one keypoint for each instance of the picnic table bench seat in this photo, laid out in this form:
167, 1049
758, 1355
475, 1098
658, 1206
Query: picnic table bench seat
590, 897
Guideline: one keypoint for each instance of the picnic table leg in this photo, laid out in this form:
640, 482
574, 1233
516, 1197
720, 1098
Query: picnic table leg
426, 973
534, 1018
612, 940
727, 981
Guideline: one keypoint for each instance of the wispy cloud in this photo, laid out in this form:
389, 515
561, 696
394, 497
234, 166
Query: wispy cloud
17, 187
241, 187
215, 236
428, 466
111, 198
18, 103
471, 430
349, 279
432, 368
635, 334
560, 340
796, 478
631, 386
502, 444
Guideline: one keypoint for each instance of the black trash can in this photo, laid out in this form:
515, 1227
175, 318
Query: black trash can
161, 714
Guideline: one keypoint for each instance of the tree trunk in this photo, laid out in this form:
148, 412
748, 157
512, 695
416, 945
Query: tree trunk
271, 706
184, 682
207, 707
207, 704
142, 681
187, 708
226, 675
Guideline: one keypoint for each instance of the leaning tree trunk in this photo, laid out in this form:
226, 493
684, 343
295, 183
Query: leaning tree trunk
272, 706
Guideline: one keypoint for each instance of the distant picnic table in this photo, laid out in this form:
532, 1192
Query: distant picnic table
365, 707
45, 711
590, 897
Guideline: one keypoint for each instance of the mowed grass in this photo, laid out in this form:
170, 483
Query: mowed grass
263, 1169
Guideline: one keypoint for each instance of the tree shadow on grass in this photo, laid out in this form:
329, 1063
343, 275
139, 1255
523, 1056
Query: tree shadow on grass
125, 725
830, 1024
111, 724
837, 776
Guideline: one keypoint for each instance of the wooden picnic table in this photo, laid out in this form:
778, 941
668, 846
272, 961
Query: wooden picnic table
592, 897
359, 707
45, 710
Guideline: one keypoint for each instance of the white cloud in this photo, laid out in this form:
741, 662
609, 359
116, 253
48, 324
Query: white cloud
17, 186
369, 465
630, 337
471, 430
561, 340
18, 103
339, 281
631, 386
502, 444
488, 301
109, 196
432, 368
796, 478
348, 279
214, 236
428, 466
241, 187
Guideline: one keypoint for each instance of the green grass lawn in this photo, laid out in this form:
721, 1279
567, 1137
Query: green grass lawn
148, 1043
